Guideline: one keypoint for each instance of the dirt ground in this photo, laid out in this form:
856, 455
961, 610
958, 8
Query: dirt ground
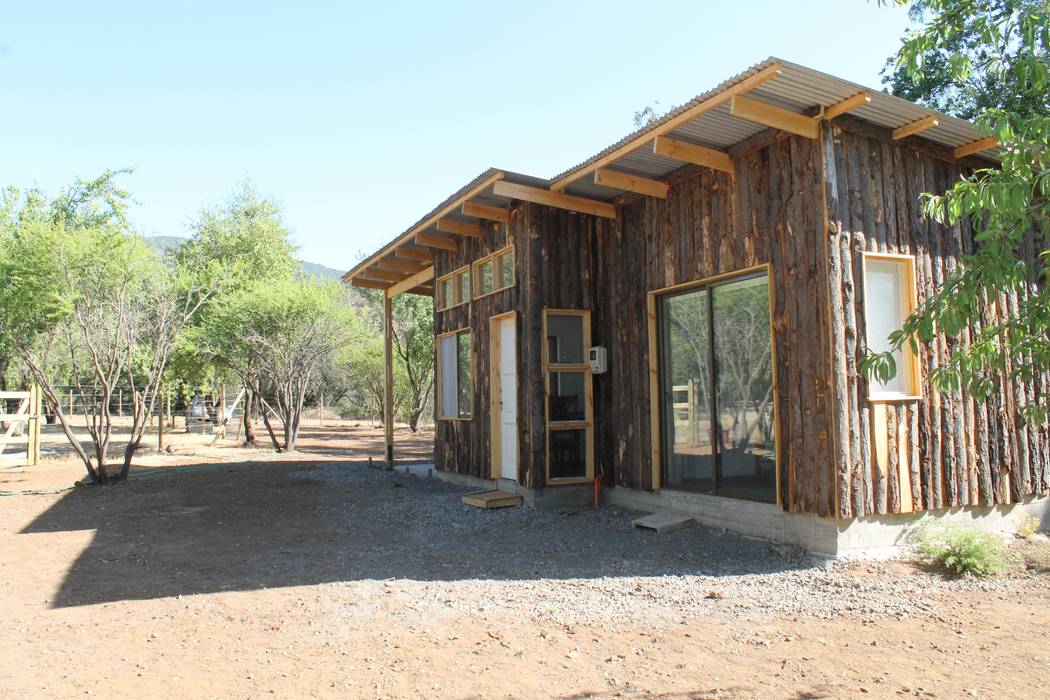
311, 575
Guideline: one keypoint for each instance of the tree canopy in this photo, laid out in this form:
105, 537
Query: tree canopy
989, 59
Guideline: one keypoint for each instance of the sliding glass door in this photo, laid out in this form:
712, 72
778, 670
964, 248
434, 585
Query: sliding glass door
716, 387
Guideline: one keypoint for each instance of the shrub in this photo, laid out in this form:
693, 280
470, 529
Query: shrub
1028, 526
961, 550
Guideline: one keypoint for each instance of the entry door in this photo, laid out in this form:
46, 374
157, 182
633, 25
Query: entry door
508, 408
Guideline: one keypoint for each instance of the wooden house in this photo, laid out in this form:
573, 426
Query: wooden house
682, 315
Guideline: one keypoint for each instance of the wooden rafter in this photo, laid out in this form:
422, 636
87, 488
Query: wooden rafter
776, 117
429, 240
630, 183
373, 273
555, 199
458, 227
849, 104
368, 284
484, 211
691, 153
968, 149
409, 283
397, 265
414, 254
750, 82
916, 127
410, 235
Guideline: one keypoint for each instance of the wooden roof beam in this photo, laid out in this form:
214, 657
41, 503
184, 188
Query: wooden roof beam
968, 149
775, 117
410, 283
554, 199
691, 153
414, 254
458, 227
429, 240
381, 275
861, 99
368, 284
630, 183
484, 211
746, 84
916, 127
396, 265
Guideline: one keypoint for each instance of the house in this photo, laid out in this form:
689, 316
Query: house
682, 315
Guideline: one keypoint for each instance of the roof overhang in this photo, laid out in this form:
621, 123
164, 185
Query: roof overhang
774, 94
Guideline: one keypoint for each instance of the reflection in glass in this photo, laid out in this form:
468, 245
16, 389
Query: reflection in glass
568, 453
687, 375
720, 441
485, 282
506, 269
567, 396
465, 375
743, 356
464, 285
564, 339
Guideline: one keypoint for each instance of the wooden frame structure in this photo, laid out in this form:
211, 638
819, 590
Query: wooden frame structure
687, 202
26, 421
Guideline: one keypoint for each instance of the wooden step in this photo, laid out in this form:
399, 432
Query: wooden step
491, 499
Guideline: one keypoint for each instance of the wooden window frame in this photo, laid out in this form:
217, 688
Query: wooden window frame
587, 425
439, 388
909, 302
451, 278
496, 272
655, 412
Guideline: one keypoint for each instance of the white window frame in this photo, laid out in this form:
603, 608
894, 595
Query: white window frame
909, 360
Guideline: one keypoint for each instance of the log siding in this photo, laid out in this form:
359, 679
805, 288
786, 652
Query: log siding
943, 450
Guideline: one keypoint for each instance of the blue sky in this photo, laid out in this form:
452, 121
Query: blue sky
360, 117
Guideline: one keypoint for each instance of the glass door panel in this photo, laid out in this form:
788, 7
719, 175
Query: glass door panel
688, 436
743, 358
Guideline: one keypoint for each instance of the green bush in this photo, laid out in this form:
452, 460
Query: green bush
961, 550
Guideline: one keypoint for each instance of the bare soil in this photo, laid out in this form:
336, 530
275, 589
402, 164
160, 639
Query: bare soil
311, 575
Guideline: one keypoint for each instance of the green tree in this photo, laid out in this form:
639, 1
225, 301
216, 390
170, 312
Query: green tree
277, 337
240, 243
963, 56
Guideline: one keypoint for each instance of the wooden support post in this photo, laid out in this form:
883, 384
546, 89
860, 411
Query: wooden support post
388, 379
33, 428
320, 420
120, 402
70, 402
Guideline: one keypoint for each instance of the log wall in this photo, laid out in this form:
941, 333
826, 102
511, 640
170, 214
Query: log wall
944, 450
710, 224
463, 446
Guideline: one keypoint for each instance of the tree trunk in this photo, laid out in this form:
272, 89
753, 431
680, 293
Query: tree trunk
246, 416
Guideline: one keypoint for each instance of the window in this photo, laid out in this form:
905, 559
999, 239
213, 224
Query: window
717, 403
463, 284
483, 278
453, 289
494, 272
889, 298
570, 436
455, 376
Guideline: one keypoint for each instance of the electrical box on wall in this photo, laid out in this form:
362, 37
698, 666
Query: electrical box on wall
597, 359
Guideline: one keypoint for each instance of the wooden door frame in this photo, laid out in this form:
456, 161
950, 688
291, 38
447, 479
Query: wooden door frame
587, 425
496, 393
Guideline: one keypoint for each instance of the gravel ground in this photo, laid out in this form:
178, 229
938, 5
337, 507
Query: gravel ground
583, 565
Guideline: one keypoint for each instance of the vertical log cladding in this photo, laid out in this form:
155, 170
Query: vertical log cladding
463, 446
710, 224
945, 449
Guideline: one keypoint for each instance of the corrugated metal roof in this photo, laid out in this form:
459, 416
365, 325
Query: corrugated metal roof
796, 88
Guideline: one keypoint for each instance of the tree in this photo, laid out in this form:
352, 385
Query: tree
413, 345
989, 58
277, 337
240, 243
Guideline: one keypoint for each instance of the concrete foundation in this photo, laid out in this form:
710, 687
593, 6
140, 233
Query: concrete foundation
874, 536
